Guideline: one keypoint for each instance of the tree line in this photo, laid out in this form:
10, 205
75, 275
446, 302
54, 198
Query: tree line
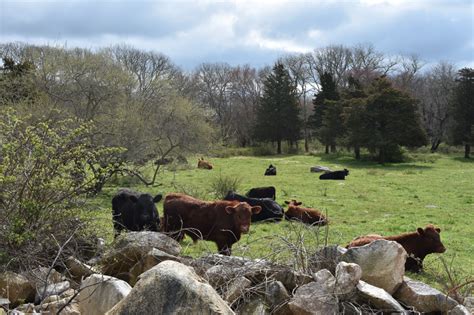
341, 96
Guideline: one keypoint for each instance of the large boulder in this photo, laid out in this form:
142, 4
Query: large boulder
53, 303
254, 306
423, 297
171, 288
316, 297
236, 289
378, 298
291, 278
99, 293
16, 288
41, 276
129, 248
382, 263
151, 259
347, 278
78, 270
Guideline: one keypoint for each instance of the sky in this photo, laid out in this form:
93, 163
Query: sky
240, 32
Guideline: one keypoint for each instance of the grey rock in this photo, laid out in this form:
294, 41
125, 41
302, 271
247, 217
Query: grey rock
276, 294
51, 289
53, 306
347, 278
129, 248
327, 258
99, 293
349, 308
28, 308
317, 297
254, 306
382, 263
218, 275
291, 278
78, 269
151, 259
460, 310
319, 168
423, 297
171, 288
236, 289
15, 287
378, 297
4, 301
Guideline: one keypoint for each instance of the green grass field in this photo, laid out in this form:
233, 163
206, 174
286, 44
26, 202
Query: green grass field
389, 199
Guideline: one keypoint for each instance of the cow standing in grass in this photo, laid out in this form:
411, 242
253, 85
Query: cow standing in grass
418, 244
222, 222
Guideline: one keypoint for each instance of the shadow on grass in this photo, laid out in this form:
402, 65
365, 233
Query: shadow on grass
463, 159
367, 162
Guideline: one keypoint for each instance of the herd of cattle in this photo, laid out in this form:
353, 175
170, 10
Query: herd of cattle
224, 221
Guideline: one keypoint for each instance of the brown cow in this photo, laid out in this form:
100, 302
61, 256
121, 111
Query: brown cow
219, 221
305, 215
204, 164
417, 244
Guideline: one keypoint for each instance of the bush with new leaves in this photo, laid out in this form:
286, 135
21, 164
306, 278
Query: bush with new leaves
46, 168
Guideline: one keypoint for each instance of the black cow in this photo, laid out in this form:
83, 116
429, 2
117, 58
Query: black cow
335, 175
262, 192
271, 210
135, 211
271, 171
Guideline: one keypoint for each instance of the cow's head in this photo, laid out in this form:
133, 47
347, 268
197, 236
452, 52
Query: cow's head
242, 213
346, 171
146, 214
293, 202
431, 239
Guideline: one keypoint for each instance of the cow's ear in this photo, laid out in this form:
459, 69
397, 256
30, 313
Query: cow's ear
133, 198
287, 202
438, 230
298, 203
229, 209
256, 209
157, 198
420, 231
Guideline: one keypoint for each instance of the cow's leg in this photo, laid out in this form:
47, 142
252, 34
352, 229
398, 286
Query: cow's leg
224, 248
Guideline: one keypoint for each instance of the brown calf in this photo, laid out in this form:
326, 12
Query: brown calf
417, 244
305, 215
204, 164
220, 221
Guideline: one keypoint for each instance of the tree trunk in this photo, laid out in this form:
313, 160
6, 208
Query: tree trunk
382, 155
306, 145
357, 152
279, 147
327, 149
467, 151
434, 145
333, 148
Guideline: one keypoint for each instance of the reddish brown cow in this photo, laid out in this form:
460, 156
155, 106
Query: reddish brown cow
417, 244
305, 215
220, 221
204, 164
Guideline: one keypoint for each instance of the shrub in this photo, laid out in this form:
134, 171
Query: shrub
45, 170
223, 183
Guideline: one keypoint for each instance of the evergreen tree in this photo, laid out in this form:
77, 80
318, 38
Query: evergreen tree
391, 120
278, 109
324, 121
463, 110
354, 115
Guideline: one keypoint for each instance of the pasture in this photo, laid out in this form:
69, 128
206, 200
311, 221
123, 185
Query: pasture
387, 200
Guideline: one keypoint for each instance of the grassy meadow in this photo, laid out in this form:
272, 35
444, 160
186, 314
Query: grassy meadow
384, 199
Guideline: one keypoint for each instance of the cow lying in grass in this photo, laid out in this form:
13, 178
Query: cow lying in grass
271, 170
204, 164
418, 244
335, 175
262, 192
305, 215
271, 210
222, 222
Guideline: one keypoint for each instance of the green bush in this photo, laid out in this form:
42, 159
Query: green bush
46, 168
224, 183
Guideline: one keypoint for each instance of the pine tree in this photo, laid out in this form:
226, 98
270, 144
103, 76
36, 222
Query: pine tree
463, 110
278, 111
354, 101
391, 120
324, 121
